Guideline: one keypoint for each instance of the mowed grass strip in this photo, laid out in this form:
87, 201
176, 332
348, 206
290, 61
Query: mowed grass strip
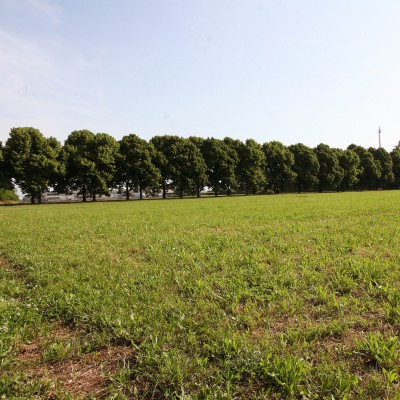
289, 296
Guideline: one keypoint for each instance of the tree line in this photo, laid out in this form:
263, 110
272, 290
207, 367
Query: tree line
92, 164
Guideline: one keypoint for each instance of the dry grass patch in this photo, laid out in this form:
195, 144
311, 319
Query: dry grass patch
3, 263
78, 375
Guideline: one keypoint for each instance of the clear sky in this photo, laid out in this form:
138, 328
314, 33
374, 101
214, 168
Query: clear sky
308, 71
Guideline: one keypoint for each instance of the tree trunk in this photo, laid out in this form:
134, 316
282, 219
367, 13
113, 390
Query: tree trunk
247, 190
127, 190
140, 193
254, 191
32, 199
163, 190
278, 187
198, 191
181, 194
84, 194
228, 192
40, 198
94, 196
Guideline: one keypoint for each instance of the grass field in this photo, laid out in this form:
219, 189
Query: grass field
266, 297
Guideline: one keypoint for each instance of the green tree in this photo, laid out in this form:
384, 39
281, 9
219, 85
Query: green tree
105, 154
5, 179
279, 166
305, 166
181, 164
369, 168
235, 147
202, 177
220, 161
385, 166
395, 155
164, 159
330, 174
349, 161
57, 175
135, 164
34, 160
251, 166
6, 188
190, 168
90, 162
197, 141
80, 166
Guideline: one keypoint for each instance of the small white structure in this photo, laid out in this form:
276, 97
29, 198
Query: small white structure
59, 197
55, 197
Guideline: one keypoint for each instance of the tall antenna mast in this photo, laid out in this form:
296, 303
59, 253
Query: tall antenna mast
379, 131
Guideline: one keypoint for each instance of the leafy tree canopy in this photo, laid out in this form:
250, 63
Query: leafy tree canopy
349, 161
190, 168
251, 166
306, 166
180, 162
395, 155
279, 166
221, 160
135, 164
370, 170
385, 165
5, 180
90, 162
330, 174
34, 160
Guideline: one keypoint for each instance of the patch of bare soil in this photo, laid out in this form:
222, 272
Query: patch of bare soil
3, 263
80, 375
87, 375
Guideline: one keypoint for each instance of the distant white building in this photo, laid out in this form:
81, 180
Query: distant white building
55, 197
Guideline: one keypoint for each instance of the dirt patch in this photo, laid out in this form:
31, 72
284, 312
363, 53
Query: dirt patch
79, 375
32, 351
3, 263
85, 376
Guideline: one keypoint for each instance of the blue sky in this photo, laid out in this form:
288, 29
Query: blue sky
309, 71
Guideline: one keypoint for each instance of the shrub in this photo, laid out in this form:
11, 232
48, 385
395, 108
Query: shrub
8, 195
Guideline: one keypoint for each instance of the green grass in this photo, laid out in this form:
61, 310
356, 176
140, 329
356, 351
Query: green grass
289, 296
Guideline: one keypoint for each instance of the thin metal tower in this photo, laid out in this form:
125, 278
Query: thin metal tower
379, 131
